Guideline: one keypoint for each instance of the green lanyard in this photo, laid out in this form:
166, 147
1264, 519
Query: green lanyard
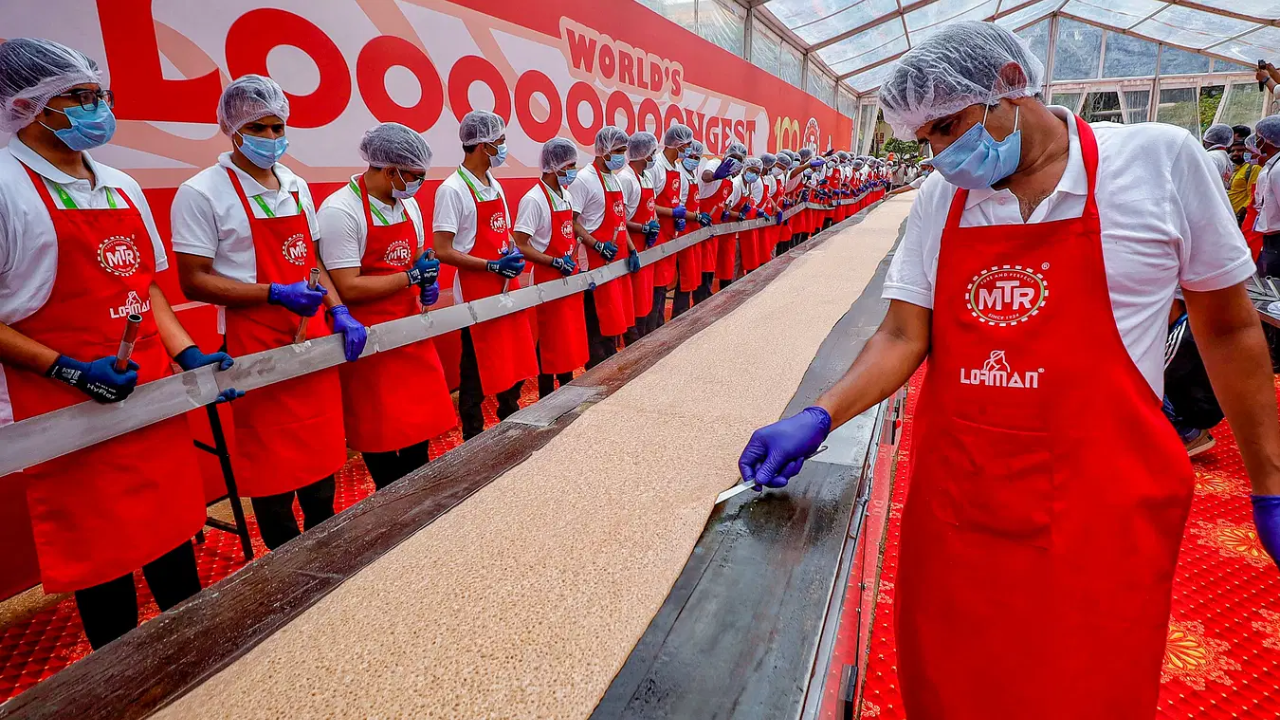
266, 209
70, 204
557, 198
356, 189
470, 184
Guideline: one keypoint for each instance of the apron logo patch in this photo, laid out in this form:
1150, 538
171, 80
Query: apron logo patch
119, 256
295, 250
995, 372
1006, 295
619, 208
652, 204
133, 305
498, 223
566, 229
398, 254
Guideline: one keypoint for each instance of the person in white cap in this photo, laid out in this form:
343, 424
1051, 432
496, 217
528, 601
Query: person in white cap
1051, 494
636, 180
1266, 194
372, 241
1217, 141
545, 235
472, 232
245, 234
79, 254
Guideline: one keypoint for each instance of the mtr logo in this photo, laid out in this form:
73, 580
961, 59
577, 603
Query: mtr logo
119, 255
1007, 295
295, 249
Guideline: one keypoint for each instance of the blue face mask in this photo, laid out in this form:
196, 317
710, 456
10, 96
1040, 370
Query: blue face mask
568, 177
977, 161
500, 158
751, 177
648, 164
1248, 158
690, 164
89, 128
616, 161
682, 153
263, 152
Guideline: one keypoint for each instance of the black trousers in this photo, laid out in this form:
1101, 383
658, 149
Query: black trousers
275, 512
681, 304
658, 316
1269, 257
1187, 389
547, 381
110, 610
388, 467
600, 347
703, 291
471, 393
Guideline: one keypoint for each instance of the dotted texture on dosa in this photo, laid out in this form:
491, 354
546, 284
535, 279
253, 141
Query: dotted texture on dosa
525, 600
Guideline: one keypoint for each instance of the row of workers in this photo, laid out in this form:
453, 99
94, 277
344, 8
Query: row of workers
80, 252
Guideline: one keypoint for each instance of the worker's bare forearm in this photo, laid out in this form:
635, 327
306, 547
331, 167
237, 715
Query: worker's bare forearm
1229, 337
525, 244
200, 283
357, 288
18, 350
445, 253
334, 298
886, 362
172, 334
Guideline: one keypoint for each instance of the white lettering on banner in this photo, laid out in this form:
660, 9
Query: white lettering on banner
1007, 295
295, 249
995, 372
119, 255
133, 305
398, 254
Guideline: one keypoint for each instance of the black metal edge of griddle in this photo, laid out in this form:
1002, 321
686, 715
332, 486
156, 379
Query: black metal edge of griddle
738, 634
163, 659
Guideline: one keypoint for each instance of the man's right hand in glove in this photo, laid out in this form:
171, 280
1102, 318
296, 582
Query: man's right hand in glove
508, 266
297, 298
704, 219
565, 264
98, 379
425, 270
776, 452
606, 250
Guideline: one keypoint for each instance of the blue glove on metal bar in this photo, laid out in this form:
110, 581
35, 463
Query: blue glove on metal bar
429, 295
98, 379
607, 250
509, 266
633, 261
704, 219
297, 298
776, 452
191, 358
565, 264
354, 335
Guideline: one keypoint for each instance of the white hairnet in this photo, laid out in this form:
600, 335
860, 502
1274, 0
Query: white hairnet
1268, 129
33, 71
677, 135
1220, 134
481, 126
697, 149
736, 148
858, 164
395, 145
769, 159
956, 67
249, 98
558, 154
784, 159
641, 145
1251, 143
610, 137
752, 163
805, 154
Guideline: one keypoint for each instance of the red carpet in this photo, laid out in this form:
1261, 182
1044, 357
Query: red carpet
1223, 652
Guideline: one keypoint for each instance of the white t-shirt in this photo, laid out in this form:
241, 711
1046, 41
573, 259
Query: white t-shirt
1161, 228
533, 217
343, 228
208, 220
1266, 196
918, 181
659, 177
794, 181
28, 246
632, 186
707, 189
587, 195
1222, 161
455, 209
739, 190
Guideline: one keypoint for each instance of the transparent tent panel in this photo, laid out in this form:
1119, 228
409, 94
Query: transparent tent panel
815, 28
1243, 104
722, 25
680, 12
871, 56
1136, 105
870, 79
1068, 100
866, 126
1192, 28
1102, 106
1261, 44
794, 13
766, 50
1267, 9
822, 86
1129, 56
1079, 50
1174, 61
1179, 106
792, 65
1026, 15
866, 43
1122, 14
926, 21
1037, 37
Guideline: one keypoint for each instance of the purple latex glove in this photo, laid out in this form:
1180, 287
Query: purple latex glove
429, 295
297, 298
1266, 515
817, 163
777, 218
727, 168
679, 212
354, 335
679, 224
776, 452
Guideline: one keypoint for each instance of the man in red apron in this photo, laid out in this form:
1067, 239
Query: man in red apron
791, 192
244, 233
472, 232
690, 261
544, 234
83, 255
642, 225
715, 185
600, 223
744, 204
1043, 523
372, 241
671, 184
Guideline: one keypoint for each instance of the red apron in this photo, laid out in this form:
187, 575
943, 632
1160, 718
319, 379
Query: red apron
102, 512
1042, 526
380, 416
562, 328
689, 260
748, 240
642, 283
1251, 236
504, 345
664, 271
726, 245
290, 434
614, 307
